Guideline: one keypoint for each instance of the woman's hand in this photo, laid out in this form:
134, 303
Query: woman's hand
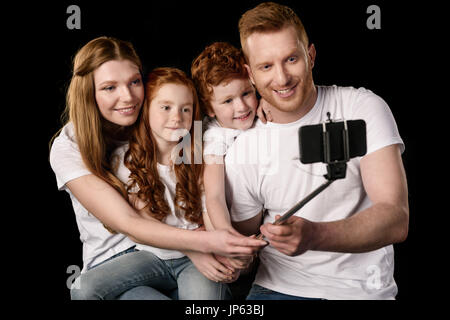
232, 244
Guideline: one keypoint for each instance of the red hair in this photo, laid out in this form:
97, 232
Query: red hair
218, 62
141, 157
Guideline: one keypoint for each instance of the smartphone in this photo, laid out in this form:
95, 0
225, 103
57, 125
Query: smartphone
311, 140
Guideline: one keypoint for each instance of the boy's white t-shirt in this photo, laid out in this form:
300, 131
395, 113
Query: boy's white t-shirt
217, 139
263, 170
98, 243
167, 176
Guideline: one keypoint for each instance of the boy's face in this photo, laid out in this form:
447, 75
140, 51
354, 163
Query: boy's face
234, 104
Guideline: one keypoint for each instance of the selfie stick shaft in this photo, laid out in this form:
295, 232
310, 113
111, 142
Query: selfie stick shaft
299, 205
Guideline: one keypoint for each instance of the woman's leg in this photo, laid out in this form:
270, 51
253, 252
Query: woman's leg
143, 293
112, 278
193, 285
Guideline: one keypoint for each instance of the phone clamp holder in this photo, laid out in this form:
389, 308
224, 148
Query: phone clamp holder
335, 169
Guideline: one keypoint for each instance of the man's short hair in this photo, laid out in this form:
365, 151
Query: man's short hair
269, 17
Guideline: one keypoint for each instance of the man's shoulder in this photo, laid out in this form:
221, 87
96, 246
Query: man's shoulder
346, 93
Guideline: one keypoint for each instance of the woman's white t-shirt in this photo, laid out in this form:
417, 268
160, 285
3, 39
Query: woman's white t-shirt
98, 243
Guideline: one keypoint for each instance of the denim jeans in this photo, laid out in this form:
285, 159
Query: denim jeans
260, 293
142, 275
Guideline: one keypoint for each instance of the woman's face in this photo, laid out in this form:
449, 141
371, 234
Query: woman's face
119, 91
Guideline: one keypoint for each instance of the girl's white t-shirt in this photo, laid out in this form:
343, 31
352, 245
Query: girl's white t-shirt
175, 218
98, 243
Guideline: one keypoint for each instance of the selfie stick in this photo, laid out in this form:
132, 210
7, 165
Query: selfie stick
335, 170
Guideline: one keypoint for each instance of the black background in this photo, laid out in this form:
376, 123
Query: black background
391, 62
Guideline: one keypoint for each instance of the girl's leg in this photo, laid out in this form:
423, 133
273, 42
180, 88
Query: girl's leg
113, 278
193, 285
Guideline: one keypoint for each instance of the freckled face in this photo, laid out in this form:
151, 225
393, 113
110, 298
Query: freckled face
171, 111
234, 104
281, 68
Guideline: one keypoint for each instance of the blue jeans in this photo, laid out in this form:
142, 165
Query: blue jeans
260, 293
142, 275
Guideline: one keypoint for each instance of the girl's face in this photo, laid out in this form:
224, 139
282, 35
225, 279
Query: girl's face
234, 104
119, 91
171, 111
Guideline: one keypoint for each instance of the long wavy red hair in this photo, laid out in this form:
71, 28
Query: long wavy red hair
141, 157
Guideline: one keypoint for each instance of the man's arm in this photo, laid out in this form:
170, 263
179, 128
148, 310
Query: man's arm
384, 223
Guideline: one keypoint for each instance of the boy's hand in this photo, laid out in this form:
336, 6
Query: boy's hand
263, 111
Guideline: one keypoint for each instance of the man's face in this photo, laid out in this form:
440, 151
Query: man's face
281, 69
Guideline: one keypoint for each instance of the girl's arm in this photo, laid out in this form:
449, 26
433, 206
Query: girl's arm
216, 206
107, 205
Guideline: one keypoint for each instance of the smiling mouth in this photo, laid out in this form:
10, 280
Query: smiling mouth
285, 93
126, 111
243, 117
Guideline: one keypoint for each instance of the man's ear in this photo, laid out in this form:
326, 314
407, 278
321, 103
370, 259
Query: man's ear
250, 75
312, 54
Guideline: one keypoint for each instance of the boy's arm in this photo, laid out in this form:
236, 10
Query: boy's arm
216, 206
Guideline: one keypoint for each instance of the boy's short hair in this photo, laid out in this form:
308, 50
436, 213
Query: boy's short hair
217, 63
267, 17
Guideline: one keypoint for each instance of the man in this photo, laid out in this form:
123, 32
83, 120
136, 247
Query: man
339, 246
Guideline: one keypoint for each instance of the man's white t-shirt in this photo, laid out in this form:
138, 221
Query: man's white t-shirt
175, 218
263, 170
98, 243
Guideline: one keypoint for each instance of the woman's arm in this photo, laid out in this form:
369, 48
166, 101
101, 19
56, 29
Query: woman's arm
107, 205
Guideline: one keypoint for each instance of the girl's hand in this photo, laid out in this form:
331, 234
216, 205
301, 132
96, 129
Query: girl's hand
211, 268
238, 263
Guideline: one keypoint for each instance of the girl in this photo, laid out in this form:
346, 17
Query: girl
103, 102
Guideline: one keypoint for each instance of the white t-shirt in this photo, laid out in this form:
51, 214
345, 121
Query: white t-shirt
217, 139
263, 171
167, 176
98, 243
